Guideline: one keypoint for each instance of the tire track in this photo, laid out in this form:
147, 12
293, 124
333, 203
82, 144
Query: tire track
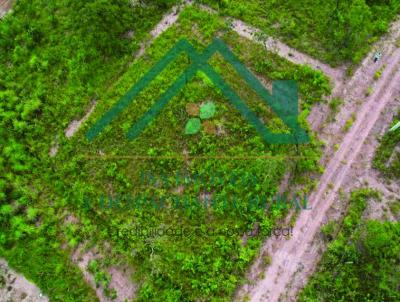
288, 258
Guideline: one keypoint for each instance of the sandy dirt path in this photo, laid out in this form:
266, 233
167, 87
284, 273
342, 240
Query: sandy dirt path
360, 175
291, 256
288, 258
353, 90
15, 287
167, 21
5, 6
121, 280
274, 45
336, 74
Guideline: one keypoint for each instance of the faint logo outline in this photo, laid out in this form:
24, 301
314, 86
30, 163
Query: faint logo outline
283, 100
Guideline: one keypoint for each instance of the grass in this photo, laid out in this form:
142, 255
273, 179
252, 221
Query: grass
336, 147
378, 73
386, 150
168, 268
334, 106
369, 91
317, 28
349, 123
55, 56
395, 208
188, 268
398, 43
266, 260
50, 268
361, 258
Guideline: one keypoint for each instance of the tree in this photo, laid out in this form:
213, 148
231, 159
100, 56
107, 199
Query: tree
349, 27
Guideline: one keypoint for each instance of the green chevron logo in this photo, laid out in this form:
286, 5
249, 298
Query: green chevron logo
283, 100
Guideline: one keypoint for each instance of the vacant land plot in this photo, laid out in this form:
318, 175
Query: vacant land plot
166, 267
186, 268
179, 212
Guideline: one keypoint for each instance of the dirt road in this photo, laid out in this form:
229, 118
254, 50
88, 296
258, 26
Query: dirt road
291, 257
5, 6
15, 287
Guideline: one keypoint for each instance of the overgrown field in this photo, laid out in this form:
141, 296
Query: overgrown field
47, 85
333, 31
54, 57
362, 260
202, 266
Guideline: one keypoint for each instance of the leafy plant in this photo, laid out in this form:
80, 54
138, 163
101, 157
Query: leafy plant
193, 126
207, 110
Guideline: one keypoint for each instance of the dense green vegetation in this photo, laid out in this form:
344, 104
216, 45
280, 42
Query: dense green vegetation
362, 262
42, 94
54, 57
335, 31
186, 268
39, 256
387, 156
